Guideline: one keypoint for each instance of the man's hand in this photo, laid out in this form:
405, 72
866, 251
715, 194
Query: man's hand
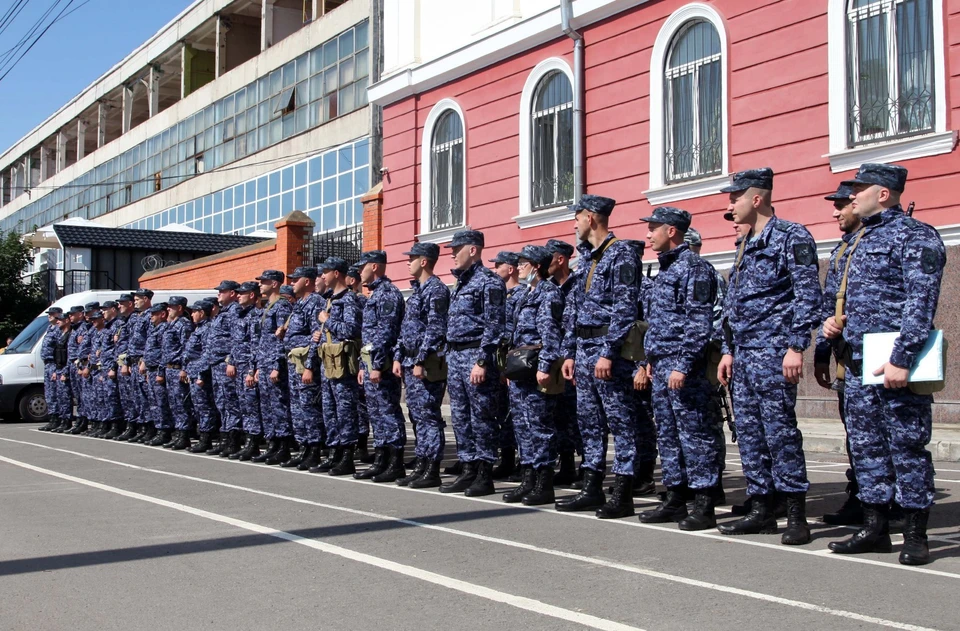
676, 380
397, 369
200, 382
249, 381
307, 378
184, 378
360, 376
112, 374
85, 372
142, 368
641, 380
604, 369
274, 376
543, 378
478, 375
322, 317
725, 370
821, 372
830, 329
374, 376
125, 370
315, 337
893, 376
160, 378
793, 366
567, 370
418, 372
256, 375
280, 332
231, 371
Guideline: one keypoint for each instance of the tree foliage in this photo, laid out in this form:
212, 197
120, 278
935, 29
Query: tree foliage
20, 301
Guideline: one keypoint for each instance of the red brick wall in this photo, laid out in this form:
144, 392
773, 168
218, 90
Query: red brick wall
373, 219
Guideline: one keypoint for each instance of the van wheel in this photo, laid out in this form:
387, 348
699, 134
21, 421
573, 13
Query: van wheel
33, 406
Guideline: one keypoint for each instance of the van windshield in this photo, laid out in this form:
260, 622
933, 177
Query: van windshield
28, 337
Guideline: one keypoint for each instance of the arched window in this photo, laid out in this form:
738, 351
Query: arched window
693, 103
551, 119
890, 69
446, 172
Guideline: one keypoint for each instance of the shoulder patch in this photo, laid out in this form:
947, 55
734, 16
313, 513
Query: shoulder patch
388, 307
804, 253
442, 304
701, 291
911, 223
628, 274
495, 296
929, 260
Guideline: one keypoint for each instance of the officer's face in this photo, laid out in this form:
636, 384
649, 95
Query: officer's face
126, 307
843, 213
742, 206
367, 273
505, 271
300, 285
110, 313
462, 256
247, 298
138, 301
268, 286
226, 297
415, 265
582, 224
868, 199
658, 236
554, 264
197, 316
97, 322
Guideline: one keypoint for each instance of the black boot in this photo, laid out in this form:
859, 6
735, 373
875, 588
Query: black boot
759, 521
272, 446
643, 483
52, 422
621, 499
798, 531
454, 469
232, 445
873, 536
283, 452
118, 428
65, 425
173, 439
420, 467
106, 427
590, 497
506, 466
296, 458
149, 433
79, 427
720, 496
183, 442
379, 464
850, 514
430, 478
202, 445
542, 492
463, 481
312, 459
97, 429
345, 466
251, 450
915, 551
483, 483
672, 509
129, 432
395, 468
139, 433
703, 515
160, 438
361, 451
527, 484
216, 444
568, 469
91, 428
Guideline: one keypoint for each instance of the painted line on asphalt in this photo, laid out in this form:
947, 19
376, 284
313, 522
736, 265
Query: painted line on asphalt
519, 602
737, 463
446, 530
546, 510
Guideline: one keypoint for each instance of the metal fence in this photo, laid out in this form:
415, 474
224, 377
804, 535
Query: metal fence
73, 281
347, 243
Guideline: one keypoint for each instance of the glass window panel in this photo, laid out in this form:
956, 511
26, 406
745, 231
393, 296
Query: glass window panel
290, 73
362, 31
251, 117
262, 210
286, 179
189, 211
276, 82
261, 188
316, 200
301, 118
228, 105
300, 199
275, 133
330, 190
286, 203
274, 182
316, 164
250, 215
329, 163
300, 174
218, 111
303, 67
274, 210
289, 125
328, 109
361, 181
329, 217
228, 222
316, 86
347, 101
208, 224
251, 191
218, 224
347, 67
330, 53
345, 158
229, 151
208, 117
346, 44
315, 216
227, 198
362, 153
345, 186
362, 67
330, 80
238, 214
181, 214
238, 194
316, 60
263, 137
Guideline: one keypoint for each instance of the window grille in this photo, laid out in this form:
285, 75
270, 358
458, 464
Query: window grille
552, 146
446, 195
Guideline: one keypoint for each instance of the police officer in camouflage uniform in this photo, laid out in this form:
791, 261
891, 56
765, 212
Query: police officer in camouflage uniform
87, 405
772, 304
63, 404
109, 368
241, 363
679, 310
271, 374
179, 329
47, 349
77, 424
381, 319
217, 347
105, 404
475, 326
537, 321
569, 442
505, 266
125, 385
305, 405
138, 326
602, 309
154, 369
197, 376
422, 338
338, 322
893, 285
362, 452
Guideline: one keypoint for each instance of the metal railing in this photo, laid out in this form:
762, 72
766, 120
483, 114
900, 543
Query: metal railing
347, 243
73, 281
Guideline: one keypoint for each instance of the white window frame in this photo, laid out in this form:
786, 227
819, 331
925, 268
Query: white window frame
527, 218
659, 192
427, 233
843, 157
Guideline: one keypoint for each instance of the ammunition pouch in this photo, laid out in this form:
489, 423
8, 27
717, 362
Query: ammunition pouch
340, 359
435, 368
713, 354
298, 356
632, 348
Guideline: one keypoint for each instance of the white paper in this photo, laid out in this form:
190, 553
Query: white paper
877, 348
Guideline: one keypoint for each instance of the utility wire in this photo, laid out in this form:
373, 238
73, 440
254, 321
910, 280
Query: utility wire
12, 14
10, 67
30, 32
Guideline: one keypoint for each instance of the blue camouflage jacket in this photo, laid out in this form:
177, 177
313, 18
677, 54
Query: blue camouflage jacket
153, 351
477, 309
424, 327
175, 340
539, 316
269, 352
343, 324
49, 345
679, 309
823, 347
773, 297
219, 341
243, 338
192, 358
139, 325
382, 316
300, 326
514, 294
894, 284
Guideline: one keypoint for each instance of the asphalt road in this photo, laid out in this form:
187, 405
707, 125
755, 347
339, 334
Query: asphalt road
102, 535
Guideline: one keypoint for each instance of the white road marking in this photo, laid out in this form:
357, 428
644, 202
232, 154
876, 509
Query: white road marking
520, 602
497, 540
630, 523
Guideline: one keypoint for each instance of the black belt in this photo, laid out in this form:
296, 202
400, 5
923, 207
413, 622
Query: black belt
462, 346
175, 366
153, 368
590, 332
410, 352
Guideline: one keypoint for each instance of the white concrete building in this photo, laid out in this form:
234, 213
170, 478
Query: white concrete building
234, 114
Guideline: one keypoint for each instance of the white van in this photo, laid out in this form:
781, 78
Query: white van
21, 369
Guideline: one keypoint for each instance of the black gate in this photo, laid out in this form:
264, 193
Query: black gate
347, 243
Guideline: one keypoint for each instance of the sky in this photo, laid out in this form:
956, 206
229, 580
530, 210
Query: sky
71, 55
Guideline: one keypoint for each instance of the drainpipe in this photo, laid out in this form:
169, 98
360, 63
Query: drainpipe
566, 14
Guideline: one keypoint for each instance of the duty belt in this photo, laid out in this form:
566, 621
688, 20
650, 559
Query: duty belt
175, 366
591, 332
462, 346
409, 352
153, 368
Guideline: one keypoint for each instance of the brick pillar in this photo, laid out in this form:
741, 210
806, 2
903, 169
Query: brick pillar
294, 233
373, 218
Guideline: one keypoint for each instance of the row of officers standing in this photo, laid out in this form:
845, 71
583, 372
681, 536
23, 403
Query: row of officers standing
542, 362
